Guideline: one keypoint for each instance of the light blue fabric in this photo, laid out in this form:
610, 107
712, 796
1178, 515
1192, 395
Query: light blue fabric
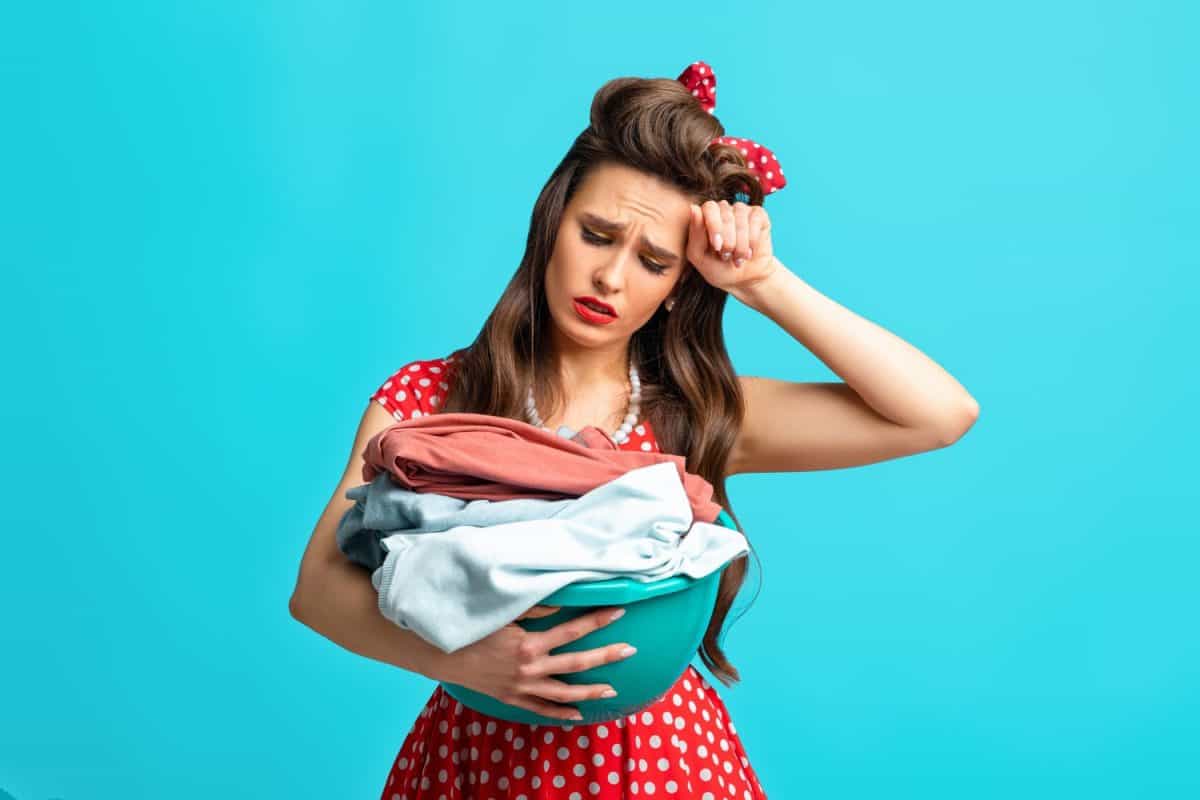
455, 586
382, 507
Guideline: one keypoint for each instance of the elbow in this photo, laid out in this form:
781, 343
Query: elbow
296, 606
314, 585
962, 422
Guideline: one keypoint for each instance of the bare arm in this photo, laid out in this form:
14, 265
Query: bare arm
892, 392
334, 596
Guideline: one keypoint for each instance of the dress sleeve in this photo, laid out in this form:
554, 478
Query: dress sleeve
414, 390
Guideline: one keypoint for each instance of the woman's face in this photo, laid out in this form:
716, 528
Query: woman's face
621, 241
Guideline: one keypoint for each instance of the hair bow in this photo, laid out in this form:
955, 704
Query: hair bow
699, 78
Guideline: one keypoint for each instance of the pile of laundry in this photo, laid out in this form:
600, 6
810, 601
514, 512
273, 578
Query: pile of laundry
468, 520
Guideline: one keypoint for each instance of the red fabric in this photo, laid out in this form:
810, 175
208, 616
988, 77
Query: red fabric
683, 745
699, 77
419, 387
486, 457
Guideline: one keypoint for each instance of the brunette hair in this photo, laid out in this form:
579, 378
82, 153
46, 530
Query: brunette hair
690, 392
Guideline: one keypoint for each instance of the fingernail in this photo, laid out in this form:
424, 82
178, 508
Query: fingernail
576, 715
620, 612
717, 241
725, 256
628, 651
608, 693
739, 261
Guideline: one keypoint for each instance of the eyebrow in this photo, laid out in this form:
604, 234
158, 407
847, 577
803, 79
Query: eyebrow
608, 225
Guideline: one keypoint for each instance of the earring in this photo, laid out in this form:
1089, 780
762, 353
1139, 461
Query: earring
670, 302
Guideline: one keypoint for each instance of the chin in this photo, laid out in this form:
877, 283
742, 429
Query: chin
584, 333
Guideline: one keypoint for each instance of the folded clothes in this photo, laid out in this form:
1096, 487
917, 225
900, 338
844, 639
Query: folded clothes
381, 507
487, 457
455, 586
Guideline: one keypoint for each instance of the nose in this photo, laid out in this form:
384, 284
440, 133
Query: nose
609, 276
603, 283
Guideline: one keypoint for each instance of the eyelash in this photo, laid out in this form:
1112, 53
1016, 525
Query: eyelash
654, 266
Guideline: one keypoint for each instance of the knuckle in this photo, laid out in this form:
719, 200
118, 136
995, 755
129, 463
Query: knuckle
526, 652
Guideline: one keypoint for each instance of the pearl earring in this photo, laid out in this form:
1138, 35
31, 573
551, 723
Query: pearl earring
670, 302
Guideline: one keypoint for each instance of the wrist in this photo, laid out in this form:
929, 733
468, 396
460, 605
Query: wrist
755, 294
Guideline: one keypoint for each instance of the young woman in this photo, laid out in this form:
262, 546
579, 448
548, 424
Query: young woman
614, 319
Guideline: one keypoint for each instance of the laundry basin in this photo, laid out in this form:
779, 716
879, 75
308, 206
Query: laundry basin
664, 619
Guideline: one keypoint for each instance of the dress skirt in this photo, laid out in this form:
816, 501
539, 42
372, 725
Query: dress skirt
683, 745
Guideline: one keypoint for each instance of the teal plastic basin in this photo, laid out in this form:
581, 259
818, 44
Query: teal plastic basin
665, 620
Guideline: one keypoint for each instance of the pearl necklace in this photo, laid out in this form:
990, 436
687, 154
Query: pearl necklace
620, 435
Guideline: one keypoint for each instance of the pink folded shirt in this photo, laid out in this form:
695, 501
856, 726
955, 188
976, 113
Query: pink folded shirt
485, 457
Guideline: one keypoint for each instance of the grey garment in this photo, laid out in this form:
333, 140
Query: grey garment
460, 584
382, 507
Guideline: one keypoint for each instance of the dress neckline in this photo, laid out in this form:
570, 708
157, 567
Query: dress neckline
449, 361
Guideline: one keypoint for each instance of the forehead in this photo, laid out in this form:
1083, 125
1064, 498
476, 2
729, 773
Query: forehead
622, 192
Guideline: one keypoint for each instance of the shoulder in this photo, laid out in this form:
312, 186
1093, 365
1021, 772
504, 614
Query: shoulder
641, 438
417, 388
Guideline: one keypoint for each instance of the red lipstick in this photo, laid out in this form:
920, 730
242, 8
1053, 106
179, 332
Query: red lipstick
605, 315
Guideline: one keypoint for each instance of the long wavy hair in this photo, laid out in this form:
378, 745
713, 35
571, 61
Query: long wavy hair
690, 392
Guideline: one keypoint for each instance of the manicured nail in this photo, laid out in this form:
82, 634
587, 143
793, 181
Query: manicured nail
717, 242
620, 612
739, 261
608, 693
725, 256
628, 651
576, 715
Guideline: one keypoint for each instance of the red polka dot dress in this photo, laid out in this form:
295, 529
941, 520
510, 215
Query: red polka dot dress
681, 746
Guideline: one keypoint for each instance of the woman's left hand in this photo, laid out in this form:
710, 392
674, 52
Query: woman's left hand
731, 244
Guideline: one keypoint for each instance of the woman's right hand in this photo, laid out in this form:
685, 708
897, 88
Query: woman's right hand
514, 666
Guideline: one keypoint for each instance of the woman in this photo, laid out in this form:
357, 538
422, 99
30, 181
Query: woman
613, 319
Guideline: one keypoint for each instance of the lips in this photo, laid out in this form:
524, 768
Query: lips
587, 314
596, 305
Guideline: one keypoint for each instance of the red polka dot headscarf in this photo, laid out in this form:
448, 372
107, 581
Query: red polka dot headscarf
699, 78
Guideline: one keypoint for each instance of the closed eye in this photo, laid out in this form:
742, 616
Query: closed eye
592, 238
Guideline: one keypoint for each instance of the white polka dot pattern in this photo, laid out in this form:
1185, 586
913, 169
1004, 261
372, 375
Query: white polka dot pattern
401, 395
455, 753
702, 81
639, 754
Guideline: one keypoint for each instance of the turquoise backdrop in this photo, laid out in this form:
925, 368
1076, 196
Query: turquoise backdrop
223, 224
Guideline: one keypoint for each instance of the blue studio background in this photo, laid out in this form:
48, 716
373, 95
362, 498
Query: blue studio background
225, 223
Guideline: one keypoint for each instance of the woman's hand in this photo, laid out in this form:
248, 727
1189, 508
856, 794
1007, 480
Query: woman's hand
513, 665
731, 244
